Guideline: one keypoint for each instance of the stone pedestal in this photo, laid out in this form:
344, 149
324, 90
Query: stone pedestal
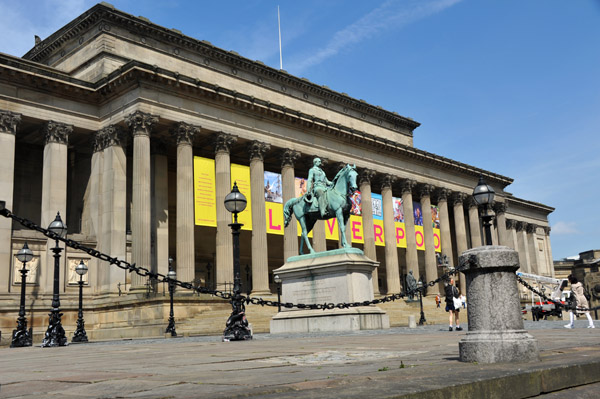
496, 333
342, 275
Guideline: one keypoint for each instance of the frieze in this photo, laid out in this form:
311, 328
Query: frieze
56, 132
184, 133
223, 142
257, 150
9, 121
365, 176
289, 157
141, 123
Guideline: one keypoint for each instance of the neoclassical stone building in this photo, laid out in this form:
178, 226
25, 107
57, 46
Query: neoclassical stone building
103, 122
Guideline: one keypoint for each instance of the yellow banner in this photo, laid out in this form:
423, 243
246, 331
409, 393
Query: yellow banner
356, 229
437, 241
274, 217
400, 234
240, 174
332, 231
378, 231
420, 238
204, 192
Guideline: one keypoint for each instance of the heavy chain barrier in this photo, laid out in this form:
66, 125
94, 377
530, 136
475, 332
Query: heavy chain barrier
558, 304
158, 277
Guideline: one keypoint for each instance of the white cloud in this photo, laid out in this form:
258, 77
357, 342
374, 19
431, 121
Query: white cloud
392, 14
565, 228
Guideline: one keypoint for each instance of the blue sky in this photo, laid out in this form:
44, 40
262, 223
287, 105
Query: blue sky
511, 86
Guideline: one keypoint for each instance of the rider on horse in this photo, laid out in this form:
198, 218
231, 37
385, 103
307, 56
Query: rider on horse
317, 185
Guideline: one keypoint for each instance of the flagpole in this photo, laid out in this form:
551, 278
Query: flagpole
279, 26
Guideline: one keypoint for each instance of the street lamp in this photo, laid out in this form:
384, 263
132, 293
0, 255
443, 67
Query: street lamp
236, 328
55, 334
21, 336
277, 280
80, 335
422, 320
484, 197
172, 277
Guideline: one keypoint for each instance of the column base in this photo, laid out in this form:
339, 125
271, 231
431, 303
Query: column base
261, 292
498, 347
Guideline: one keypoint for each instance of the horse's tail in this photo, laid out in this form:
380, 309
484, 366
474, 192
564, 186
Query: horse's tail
287, 211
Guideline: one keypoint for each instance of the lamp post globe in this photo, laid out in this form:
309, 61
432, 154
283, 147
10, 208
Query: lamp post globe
80, 335
21, 336
483, 194
236, 328
55, 334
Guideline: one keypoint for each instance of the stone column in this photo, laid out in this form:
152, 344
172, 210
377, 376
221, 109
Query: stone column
496, 333
474, 223
54, 192
185, 254
113, 240
224, 270
412, 260
160, 207
290, 233
140, 124
460, 231
549, 261
523, 247
260, 253
511, 235
442, 198
389, 230
532, 247
365, 178
91, 217
8, 130
430, 262
500, 210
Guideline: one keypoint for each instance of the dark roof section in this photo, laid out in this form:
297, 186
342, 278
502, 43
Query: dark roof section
107, 11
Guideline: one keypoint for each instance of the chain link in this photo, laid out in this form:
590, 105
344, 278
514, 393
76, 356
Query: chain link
558, 304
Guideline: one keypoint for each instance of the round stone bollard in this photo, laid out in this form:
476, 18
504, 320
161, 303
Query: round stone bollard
496, 333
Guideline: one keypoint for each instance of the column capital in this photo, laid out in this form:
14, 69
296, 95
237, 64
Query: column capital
113, 135
407, 185
520, 226
442, 194
98, 141
365, 176
387, 181
471, 202
458, 198
184, 133
141, 123
223, 142
9, 121
289, 157
499, 207
531, 228
425, 190
56, 132
258, 149
547, 230
158, 147
511, 224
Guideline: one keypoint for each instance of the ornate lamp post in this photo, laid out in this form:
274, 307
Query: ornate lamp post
21, 336
172, 276
236, 328
484, 197
422, 320
80, 335
277, 280
55, 334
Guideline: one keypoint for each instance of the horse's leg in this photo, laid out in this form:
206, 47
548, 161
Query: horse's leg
342, 226
302, 221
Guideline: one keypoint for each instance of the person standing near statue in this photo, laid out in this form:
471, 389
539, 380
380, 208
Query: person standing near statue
317, 185
411, 285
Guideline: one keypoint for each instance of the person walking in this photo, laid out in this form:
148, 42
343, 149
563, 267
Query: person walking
577, 302
452, 306
437, 300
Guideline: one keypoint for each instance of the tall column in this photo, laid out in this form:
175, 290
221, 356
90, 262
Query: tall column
460, 231
141, 125
511, 234
442, 198
523, 247
474, 223
92, 202
500, 210
532, 247
160, 207
8, 131
113, 197
54, 190
549, 260
365, 178
430, 262
412, 260
184, 249
260, 253
389, 230
224, 270
290, 233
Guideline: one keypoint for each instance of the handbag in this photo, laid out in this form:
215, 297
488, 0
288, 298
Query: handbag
457, 303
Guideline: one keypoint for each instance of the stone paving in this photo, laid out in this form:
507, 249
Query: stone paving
394, 363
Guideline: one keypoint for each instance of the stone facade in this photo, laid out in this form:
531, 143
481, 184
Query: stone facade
101, 121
